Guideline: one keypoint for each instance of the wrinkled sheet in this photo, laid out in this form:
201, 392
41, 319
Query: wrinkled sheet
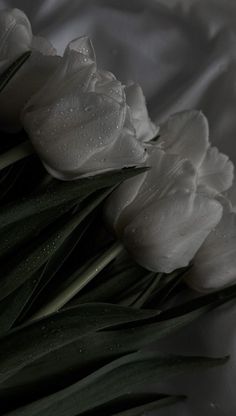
183, 53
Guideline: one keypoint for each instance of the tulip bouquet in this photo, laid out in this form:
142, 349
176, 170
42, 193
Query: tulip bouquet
107, 222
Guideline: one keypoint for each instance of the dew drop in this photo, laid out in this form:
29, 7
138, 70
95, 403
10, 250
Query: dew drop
89, 108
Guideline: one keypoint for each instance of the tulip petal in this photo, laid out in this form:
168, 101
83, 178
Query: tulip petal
135, 99
166, 235
167, 175
126, 151
215, 262
108, 85
69, 132
124, 195
120, 199
186, 134
216, 172
84, 47
74, 73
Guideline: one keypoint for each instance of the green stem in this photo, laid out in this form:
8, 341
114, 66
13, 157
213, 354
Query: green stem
146, 293
15, 154
68, 293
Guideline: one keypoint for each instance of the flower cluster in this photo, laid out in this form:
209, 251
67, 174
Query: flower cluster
83, 121
166, 214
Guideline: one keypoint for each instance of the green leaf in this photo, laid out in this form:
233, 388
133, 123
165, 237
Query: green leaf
202, 303
110, 287
68, 363
167, 288
59, 193
42, 249
15, 236
119, 378
147, 291
98, 348
79, 281
22, 346
128, 297
12, 69
9, 178
51, 269
16, 153
148, 407
20, 301
12, 305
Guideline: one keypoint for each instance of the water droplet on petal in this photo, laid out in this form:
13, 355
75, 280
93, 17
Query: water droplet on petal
89, 108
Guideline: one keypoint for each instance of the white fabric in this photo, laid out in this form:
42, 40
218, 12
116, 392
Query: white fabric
183, 54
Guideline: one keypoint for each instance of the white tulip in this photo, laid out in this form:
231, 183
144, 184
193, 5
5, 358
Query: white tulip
164, 215
79, 123
215, 263
15, 39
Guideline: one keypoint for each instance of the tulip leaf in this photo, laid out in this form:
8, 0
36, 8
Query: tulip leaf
163, 292
59, 193
82, 355
12, 306
52, 267
110, 287
121, 377
41, 251
168, 288
9, 178
132, 293
79, 280
15, 236
25, 344
19, 302
35, 258
207, 302
9, 73
147, 291
141, 410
